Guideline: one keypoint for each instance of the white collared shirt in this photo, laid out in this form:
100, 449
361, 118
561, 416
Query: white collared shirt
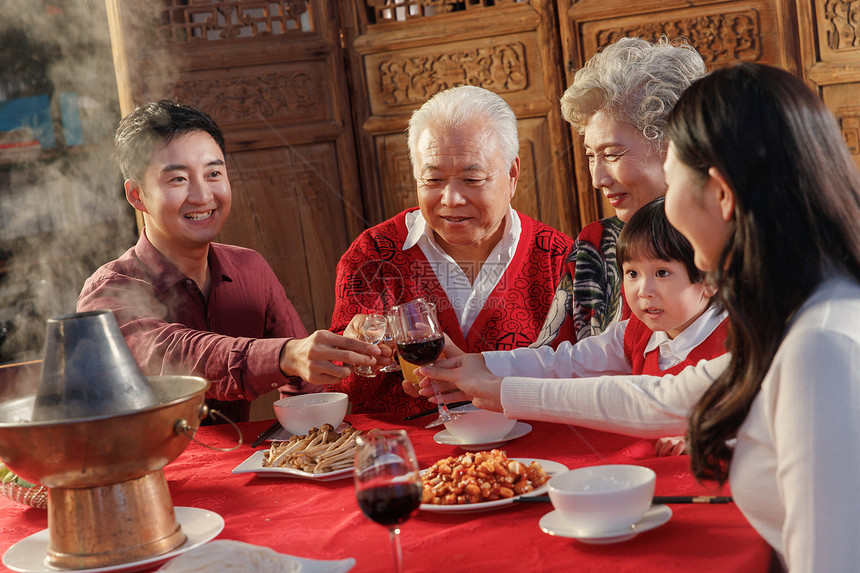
466, 299
675, 350
599, 355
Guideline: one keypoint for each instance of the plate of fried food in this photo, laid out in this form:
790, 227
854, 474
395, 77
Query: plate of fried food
322, 454
476, 481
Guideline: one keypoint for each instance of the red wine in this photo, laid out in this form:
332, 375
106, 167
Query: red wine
422, 351
391, 504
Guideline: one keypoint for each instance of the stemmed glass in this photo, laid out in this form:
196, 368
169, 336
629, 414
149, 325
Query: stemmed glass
389, 340
387, 482
374, 328
419, 339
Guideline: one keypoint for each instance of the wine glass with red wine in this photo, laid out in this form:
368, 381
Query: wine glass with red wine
419, 339
387, 482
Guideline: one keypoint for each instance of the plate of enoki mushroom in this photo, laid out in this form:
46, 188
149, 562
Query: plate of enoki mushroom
323, 453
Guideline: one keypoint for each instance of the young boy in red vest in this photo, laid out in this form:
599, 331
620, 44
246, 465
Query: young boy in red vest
673, 323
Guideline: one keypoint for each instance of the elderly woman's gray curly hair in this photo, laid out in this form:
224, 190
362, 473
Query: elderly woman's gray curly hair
634, 81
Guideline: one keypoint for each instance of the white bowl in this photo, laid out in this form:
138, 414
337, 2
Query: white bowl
480, 427
298, 414
601, 499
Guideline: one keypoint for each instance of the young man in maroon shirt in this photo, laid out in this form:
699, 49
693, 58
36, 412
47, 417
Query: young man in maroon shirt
187, 305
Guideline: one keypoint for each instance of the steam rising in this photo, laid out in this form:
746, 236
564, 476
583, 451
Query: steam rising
62, 213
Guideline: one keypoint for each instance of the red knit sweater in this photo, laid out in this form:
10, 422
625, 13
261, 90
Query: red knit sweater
376, 273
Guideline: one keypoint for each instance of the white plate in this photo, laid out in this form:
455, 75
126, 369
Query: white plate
550, 467
519, 430
254, 465
199, 526
554, 524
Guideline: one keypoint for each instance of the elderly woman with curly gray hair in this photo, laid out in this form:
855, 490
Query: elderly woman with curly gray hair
619, 102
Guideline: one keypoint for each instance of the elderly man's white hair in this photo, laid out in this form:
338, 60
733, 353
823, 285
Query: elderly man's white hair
459, 106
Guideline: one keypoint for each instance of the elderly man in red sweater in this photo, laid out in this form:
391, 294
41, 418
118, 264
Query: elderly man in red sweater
490, 271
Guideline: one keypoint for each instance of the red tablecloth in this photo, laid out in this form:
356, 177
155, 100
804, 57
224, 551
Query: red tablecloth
321, 520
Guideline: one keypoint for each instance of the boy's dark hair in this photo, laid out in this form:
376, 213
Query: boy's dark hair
154, 123
649, 234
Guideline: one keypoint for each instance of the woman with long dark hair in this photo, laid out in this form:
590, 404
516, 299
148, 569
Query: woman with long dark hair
762, 184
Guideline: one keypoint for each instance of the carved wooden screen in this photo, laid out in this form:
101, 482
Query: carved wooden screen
830, 47
272, 75
404, 51
750, 30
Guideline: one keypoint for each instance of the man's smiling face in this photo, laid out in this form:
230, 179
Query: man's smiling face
185, 195
464, 186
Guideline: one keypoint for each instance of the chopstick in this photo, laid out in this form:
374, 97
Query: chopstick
532, 498
658, 499
266, 433
692, 499
435, 410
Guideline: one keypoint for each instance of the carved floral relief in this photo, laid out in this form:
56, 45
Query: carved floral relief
849, 121
410, 80
719, 38
841, 20
402, 179
274, 95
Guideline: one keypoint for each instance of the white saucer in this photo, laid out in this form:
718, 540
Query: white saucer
199, 526
519, 430
553, 524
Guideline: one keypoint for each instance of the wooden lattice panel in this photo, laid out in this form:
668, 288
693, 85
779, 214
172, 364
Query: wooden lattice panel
398, 10
193, 20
